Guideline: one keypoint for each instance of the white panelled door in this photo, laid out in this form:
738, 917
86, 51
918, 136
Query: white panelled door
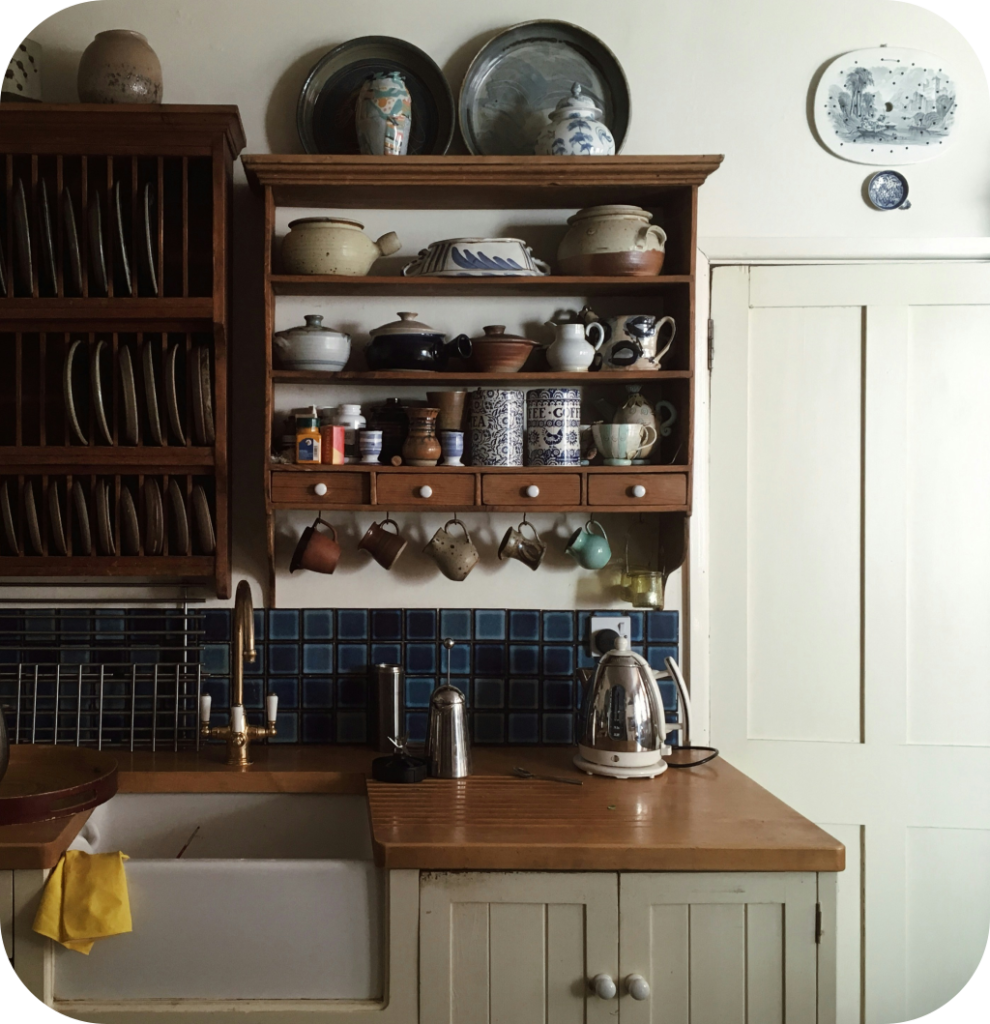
850, 596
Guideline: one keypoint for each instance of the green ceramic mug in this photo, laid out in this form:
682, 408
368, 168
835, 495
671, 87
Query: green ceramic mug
589, 549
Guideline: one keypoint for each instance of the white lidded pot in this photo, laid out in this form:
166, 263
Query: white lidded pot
313, 347
572, 350
333, 245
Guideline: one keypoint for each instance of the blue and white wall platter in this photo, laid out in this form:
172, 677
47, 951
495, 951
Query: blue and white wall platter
887, 105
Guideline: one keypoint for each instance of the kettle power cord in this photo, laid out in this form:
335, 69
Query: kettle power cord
692, 764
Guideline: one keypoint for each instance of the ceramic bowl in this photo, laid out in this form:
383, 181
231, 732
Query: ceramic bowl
497, 352
477, 257
312, 347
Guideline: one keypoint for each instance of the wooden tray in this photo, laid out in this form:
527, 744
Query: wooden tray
45, 782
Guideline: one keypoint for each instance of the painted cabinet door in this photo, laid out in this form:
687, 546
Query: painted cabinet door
517, 948
718, 948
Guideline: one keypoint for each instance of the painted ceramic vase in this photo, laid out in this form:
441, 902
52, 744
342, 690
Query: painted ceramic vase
23, 78
421, 447
119, 66
383, 117
496, 425
576, 129
553, 421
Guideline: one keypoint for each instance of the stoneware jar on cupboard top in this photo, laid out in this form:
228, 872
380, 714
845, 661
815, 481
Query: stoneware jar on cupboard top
119, 66
333, 245
576, 129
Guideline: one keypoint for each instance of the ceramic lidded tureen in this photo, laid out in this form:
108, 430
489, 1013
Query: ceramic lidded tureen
576, 129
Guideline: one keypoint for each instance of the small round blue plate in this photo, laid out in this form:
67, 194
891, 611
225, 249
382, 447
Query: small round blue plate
888, 190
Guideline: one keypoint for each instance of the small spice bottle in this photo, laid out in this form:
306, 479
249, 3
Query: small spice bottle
331, 437
308, 437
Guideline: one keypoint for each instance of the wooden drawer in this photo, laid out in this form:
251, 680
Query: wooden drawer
406, 489
299, 489
618, 489
510, 488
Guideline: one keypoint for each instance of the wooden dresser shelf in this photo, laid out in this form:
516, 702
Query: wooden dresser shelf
430, 378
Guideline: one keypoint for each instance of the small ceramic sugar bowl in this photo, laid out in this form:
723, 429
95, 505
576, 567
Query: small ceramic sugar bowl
576, 129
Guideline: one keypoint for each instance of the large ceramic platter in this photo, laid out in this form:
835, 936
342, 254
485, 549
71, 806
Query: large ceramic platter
325, 114
886, 105
517, 79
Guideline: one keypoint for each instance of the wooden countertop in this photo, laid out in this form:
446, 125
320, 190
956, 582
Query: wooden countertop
711, 818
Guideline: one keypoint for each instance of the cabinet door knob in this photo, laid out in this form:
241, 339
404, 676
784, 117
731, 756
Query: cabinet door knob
426, 491
532, 491
639, 491
319, 490
604, 986
639, 987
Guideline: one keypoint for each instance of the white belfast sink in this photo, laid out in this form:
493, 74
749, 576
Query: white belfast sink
276, 897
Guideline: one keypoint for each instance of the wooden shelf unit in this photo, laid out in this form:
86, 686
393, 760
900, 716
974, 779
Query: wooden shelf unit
184, 155
666, 185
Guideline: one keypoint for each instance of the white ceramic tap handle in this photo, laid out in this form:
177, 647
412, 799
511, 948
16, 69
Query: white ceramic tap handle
604, 986
532, 491
426, 491
639, 987
205, 701
272, 702
237, 722
639, 491
319, 490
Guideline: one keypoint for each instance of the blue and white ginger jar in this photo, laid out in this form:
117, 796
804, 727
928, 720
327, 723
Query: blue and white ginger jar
576, 129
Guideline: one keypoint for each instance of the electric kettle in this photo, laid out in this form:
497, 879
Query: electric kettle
625, 727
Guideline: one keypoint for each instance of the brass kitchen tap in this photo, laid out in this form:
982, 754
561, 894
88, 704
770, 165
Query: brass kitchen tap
239, 734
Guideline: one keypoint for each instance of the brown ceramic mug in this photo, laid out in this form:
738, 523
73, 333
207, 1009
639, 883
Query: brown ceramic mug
451, 406
528, 550
316, 551
383, 545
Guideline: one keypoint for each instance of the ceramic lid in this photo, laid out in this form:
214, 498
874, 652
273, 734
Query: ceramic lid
325, 220
496, 332
406, 324
574, 104
615, 210
313, 326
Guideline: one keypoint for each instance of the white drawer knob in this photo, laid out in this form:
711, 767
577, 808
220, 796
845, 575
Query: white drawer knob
426, 491
639, 987
604, 986
319, 490
639, 491
532, 491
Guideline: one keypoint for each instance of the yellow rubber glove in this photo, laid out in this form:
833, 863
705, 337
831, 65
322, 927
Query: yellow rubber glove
85, 899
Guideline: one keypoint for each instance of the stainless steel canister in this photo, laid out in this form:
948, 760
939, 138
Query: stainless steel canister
389, 707
448, 745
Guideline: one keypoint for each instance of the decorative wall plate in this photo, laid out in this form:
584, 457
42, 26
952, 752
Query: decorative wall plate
888, 190
886, 105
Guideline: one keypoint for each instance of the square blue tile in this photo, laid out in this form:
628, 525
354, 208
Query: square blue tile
216, 658
318, 658
524, 659
317, 693
489, 693
352, 658
460, 660
489, 624
489, 727
656, 655
317, 727
352, 624
352, 727
558, 660
668, 694
524, 625
636, 626
386, 624
287, 691
558, 694
74, 657
421, 624
216, 625
558, 728
219, 690
352, 693
286, 728
283, 659
386, 654
489, 659
661, 627
524, 693
283, 624
419, 691
523, 728
254, 692
455, 623
584, 658
421, 659
558, 626
256, 667
317, 624
259, 624
416, 725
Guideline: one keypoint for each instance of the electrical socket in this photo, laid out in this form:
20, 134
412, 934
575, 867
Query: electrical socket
621, 624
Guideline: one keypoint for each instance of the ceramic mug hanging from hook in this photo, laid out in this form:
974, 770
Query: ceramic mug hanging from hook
316, 551
589, 549
528, 550
455, 556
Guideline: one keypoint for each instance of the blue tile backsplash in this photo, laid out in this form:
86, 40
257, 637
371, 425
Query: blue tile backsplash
516, 667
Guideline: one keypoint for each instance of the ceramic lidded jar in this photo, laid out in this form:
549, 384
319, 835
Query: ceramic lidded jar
383, 115
576, 129
119, 66
312, 347
333, 245
612, 239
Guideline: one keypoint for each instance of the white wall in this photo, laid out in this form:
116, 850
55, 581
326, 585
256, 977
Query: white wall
706, 76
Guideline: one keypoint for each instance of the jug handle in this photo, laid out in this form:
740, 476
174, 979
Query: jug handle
595, 328
647, 440
661, 352
675, 673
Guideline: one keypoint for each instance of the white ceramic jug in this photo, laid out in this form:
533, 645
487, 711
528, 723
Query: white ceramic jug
573, 349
